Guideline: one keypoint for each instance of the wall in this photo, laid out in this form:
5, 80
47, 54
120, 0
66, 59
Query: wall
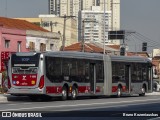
14, 36
58, 25
43, 37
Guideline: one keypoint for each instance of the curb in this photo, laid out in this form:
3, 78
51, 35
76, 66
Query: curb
3, 98
153, 93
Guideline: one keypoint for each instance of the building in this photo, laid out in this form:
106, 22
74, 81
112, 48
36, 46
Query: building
92, 26
156, 52
36, 21
114, 7
56, 24
64, 7
22, 36
72, 7
143, 54
93, 48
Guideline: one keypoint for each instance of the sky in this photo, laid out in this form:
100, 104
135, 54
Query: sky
141, 16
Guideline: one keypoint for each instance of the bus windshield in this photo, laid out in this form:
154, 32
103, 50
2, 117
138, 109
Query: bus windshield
25, 64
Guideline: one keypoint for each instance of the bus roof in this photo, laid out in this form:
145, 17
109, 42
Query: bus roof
130, 59
96, 56
74, 54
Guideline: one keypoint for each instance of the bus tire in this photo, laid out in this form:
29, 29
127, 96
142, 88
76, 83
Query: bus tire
64, 93
74, 93
143, 90
119, 91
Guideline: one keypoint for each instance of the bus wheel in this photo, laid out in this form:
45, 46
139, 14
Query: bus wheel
119, 91
64, 93
143, 90
74, 93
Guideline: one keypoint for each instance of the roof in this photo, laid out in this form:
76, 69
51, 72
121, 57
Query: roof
19, 24
114, 46
88, 47
143, 54
108, 47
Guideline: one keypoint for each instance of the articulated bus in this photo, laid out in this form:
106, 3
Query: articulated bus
73, 74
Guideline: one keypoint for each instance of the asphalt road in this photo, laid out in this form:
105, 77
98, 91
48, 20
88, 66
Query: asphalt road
113, 108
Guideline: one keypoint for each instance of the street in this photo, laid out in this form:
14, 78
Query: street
88, 107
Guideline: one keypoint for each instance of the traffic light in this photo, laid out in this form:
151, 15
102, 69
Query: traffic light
122, 51
144, 46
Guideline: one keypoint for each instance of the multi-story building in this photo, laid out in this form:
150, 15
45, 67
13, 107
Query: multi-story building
114, 7
22, 36
64, 7
92, 26
72, 7
56, 24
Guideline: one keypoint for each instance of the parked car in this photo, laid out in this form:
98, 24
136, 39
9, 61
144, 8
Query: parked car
156, 85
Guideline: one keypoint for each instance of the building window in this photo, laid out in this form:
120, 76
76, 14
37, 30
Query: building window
31, 46
19, 46
7, 42
51, 46
42, 47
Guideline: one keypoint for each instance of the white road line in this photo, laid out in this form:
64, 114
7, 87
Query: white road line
112, 106
76, 105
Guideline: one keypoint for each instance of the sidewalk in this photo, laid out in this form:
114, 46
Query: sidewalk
3, 98
153, 93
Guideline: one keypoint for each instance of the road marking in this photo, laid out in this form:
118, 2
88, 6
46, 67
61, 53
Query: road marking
76, 105
157, 118
74, 109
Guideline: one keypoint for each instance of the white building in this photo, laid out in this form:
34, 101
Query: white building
42, 41
91, 25
64, 7
56, 24
72, 7
156, 52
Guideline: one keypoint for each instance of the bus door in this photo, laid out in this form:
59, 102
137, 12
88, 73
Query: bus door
128, 78
92, 77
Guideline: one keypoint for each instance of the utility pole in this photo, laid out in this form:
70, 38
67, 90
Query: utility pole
51, 24
83, 42
64, 31
104, 29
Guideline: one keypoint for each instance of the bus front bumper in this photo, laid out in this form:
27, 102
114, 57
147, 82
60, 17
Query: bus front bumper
25, 91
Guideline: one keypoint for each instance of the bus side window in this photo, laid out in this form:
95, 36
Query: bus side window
99, 72
87, 72
66, 66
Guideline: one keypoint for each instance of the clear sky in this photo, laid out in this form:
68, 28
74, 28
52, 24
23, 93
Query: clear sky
142, 16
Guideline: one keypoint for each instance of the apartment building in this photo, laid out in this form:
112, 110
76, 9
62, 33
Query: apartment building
72, 7
91, 29
64, 7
